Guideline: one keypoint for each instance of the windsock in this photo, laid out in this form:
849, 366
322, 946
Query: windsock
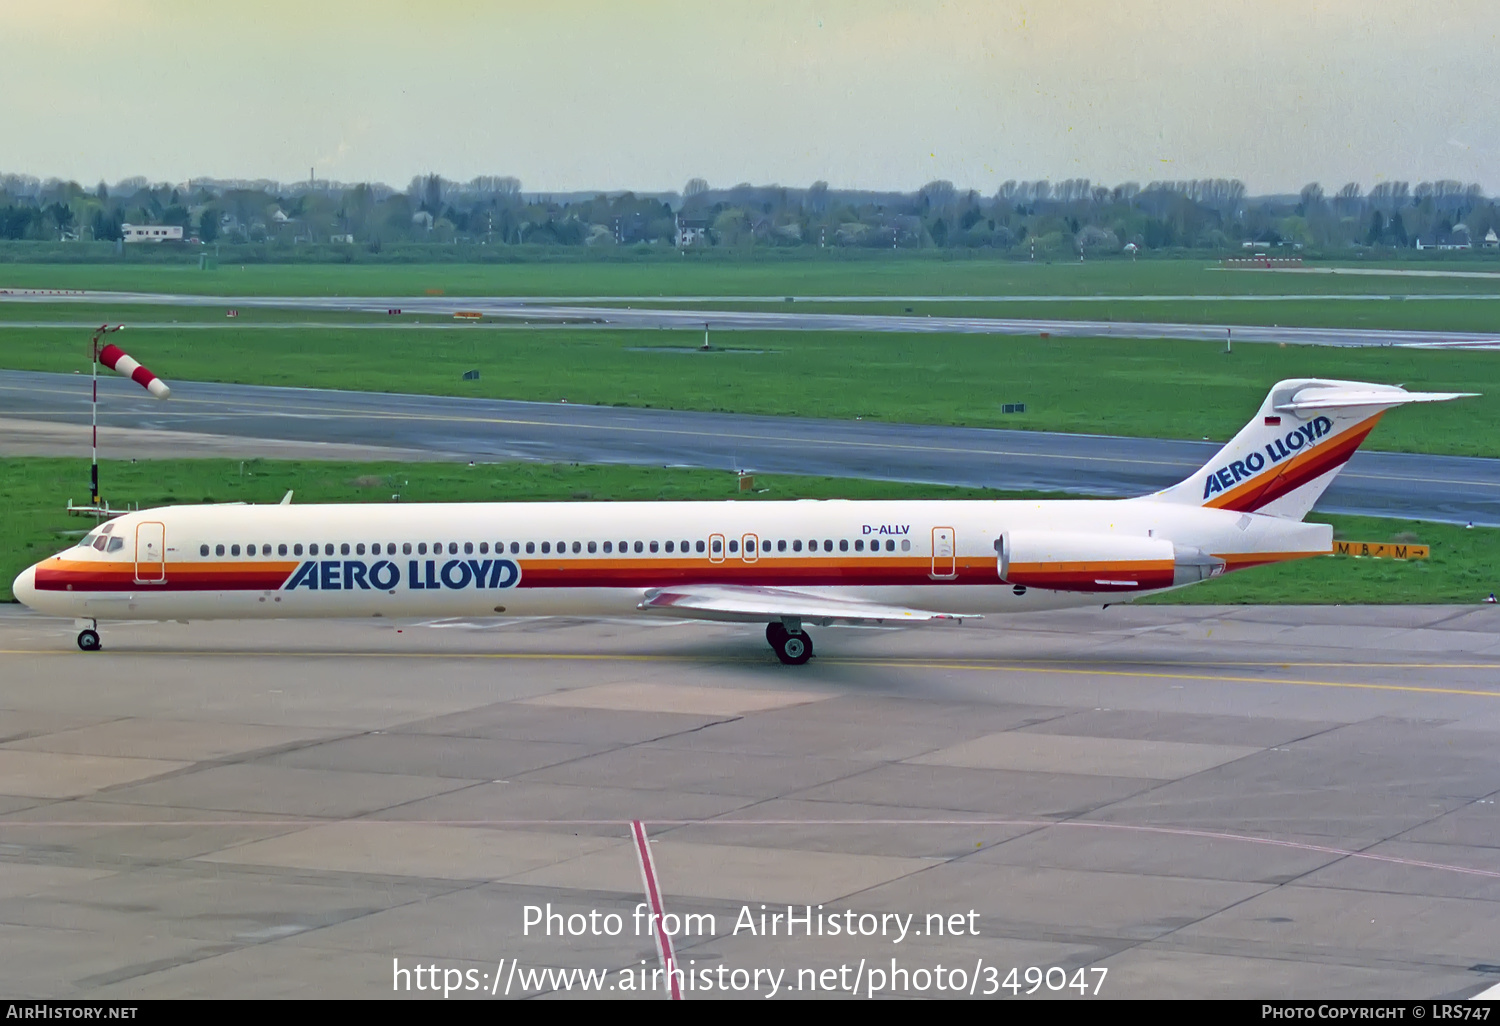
116, 359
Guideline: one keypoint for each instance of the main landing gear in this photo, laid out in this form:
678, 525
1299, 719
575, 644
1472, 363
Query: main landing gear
790, 642
88, 638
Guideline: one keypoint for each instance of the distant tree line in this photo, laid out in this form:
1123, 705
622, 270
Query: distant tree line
1051, 219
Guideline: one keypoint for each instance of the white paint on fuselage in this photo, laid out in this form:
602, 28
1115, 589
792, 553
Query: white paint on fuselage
976, 524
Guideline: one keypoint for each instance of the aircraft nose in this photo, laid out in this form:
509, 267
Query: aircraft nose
24, 586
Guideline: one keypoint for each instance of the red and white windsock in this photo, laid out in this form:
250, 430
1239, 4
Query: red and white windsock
116, 359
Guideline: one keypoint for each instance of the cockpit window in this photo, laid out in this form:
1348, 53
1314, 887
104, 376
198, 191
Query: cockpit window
87, 539
116, 544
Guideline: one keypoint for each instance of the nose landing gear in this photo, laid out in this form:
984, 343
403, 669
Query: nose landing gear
88, 638
790, 643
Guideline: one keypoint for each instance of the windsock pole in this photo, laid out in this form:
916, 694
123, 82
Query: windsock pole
104, 329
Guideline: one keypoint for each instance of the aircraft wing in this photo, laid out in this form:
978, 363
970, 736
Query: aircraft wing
737, 604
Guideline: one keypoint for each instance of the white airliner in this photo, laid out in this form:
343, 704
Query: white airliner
784, 564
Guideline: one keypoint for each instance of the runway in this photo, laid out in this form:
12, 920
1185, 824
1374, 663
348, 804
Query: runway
1443, 488
1211, 802
608, 314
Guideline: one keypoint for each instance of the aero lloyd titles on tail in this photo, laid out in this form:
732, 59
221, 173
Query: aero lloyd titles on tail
1296, 440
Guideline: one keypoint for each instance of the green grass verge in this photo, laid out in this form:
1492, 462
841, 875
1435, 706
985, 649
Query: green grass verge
1141, 388
1463, 568
833, 275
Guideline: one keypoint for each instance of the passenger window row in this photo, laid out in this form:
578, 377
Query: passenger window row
531, 548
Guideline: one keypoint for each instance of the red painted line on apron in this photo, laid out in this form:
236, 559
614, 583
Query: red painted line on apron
653, 897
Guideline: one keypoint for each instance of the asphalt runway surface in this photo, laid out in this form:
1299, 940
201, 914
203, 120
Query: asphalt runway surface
1214, 802
1442, 488
535, 310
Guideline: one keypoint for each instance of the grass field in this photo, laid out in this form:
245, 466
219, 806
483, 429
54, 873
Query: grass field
1464, 567
1135, 388
896, 276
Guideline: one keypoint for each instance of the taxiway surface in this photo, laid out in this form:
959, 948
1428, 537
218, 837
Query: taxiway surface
607, 314
1423, 487
1210, 802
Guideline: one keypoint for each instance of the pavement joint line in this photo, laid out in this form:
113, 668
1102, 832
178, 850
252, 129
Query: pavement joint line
879, 663
1213, 835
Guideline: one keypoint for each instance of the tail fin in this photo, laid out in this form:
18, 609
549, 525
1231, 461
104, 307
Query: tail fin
1280, 462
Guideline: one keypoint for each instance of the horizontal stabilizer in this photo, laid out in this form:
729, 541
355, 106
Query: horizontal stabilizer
1345, 398
762, 605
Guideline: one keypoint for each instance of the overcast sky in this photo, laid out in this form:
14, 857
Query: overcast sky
645, 94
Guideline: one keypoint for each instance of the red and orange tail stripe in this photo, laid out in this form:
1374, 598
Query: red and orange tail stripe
1296, 472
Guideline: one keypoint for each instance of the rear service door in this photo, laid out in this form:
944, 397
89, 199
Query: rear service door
944, 553
150, 553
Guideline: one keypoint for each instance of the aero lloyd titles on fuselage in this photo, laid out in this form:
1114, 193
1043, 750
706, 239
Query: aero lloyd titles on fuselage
1304, 437
420, 575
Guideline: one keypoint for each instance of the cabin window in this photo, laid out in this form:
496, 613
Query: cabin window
297, 549
406, 548
344, 549
484, 548
718, 546
593, 547
796, 544
734, 546
546, 547
609, 546
280, 549
859, 545
234, 550
684, 546
421, 548
905, 545
577, 547
468, 548
843, 544
781, 545
202, 550
669, 546
250, 549
359, 550
827, 545
654, 546
699, 547
265, 550
453, 548
530, 547
218, 550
